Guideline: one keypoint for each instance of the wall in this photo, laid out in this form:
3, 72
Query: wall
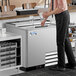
18, 3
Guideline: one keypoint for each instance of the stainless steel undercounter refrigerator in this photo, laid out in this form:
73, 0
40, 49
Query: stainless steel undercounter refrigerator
38, 43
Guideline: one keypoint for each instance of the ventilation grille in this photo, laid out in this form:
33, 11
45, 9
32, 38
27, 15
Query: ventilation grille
51, 58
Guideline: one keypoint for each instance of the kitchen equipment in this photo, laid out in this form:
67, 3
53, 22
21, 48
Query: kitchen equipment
27, 11
10, 51
37, 42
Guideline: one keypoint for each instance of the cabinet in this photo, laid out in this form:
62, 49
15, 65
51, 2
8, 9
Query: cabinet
10, 51
38, 43
41, 42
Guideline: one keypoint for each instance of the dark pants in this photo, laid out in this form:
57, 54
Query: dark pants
63, 43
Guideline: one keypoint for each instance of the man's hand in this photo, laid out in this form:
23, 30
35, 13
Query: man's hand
42, 23
45, 15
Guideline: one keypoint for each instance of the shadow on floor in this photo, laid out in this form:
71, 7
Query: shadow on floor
47, 72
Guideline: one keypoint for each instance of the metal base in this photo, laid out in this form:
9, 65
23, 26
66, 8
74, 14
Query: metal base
32, 68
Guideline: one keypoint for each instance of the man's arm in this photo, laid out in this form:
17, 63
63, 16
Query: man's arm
62, 4
43, 22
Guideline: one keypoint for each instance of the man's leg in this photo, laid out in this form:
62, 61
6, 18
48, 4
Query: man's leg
69, 52
61, 31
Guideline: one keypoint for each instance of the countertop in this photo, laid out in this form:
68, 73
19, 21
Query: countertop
12, 14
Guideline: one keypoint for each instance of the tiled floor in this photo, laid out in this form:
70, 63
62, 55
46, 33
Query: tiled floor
47, 72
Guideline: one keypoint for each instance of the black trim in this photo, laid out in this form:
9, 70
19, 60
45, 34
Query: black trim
32, 68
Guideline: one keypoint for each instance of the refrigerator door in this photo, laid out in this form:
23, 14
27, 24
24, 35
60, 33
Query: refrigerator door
39, 42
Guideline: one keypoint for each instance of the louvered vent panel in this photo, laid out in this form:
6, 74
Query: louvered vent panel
51, 58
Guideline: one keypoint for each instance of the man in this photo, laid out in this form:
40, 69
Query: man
62, 23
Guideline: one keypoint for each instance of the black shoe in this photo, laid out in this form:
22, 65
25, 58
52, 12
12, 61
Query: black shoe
58, 68
70, 67
74, 67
